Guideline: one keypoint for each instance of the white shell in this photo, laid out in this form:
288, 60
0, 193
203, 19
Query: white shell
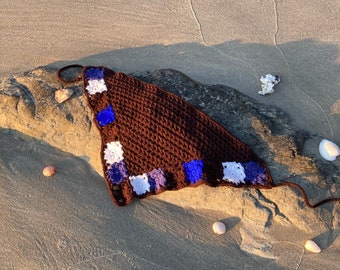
312, 246
328, 150
62, 94
268, 83
219, 227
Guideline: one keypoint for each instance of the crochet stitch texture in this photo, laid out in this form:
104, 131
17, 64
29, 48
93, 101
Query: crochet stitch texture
154, 141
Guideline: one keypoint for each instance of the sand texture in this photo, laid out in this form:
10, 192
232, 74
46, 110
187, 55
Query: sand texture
211, 53
68, 221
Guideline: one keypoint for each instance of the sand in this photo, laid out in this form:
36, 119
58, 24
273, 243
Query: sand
68, 221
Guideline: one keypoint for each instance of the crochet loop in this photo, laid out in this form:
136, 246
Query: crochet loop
77, 76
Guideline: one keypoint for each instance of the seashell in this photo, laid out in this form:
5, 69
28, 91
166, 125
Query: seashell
219, 227
268, 82
62, 94
329, 150
49, 171
311, 246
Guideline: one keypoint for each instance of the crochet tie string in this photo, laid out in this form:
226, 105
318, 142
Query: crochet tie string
76, 76
305, 197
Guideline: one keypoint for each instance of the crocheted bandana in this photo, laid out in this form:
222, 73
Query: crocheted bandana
153, 141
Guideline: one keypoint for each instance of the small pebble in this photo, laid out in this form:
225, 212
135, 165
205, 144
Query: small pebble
312, 246
219, 227
62, 94
49, 171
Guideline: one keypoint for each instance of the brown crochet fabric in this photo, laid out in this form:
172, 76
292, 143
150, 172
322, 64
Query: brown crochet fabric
153, 141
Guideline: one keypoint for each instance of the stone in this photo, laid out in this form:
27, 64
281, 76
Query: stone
62, 95
28, 107
49, 171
